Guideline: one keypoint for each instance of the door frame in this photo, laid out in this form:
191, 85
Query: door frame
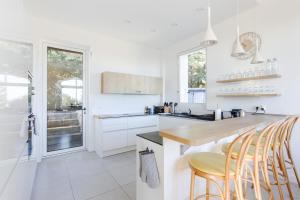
86, 52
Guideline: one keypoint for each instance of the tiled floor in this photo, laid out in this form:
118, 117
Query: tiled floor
85, 176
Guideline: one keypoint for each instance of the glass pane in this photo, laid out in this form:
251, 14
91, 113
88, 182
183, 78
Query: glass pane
64, 104
15, 61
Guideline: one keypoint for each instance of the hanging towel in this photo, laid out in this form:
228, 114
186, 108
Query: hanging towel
148, 169
142, 170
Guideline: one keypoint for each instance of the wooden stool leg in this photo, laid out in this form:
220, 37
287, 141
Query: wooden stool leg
267, 179
192, 190
285, 175
293, 164
276, 178
207, 189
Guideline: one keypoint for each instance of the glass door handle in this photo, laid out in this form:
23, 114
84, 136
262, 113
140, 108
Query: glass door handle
84, 110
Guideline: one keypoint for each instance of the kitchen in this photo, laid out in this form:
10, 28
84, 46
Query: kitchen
143, 59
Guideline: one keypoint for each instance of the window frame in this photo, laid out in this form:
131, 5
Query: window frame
187, 52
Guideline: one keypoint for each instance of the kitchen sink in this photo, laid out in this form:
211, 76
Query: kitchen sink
207, 117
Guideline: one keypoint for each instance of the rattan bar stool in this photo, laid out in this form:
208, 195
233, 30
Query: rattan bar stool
277, 161
289, 161
214, 167
257, 160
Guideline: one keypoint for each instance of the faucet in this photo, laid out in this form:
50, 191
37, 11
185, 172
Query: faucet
174, 110
190, 111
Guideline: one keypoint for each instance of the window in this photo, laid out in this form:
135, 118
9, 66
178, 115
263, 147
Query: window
192, 77
71, 93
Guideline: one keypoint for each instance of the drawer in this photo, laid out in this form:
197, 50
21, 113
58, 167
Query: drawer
131, 134
142, 121
114, 140
114, 124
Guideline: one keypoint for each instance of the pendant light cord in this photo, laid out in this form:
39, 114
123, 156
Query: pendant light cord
238, 13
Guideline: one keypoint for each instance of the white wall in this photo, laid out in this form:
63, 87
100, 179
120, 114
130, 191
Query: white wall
278, 23
108, 54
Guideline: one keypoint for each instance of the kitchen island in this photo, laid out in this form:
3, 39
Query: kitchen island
178, 143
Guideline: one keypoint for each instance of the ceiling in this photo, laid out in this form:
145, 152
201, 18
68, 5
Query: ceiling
155, 23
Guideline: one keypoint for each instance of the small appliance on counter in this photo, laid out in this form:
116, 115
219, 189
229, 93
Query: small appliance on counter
237, 113
158, 109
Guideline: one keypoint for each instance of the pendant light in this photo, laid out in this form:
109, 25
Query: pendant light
210, 37
238, 50
257, 59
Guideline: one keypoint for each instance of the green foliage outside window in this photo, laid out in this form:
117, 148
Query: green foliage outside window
197, 69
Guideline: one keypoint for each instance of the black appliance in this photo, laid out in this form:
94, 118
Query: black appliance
236, 113
158, 109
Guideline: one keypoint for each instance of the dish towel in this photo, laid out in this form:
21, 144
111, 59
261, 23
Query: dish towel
148, 169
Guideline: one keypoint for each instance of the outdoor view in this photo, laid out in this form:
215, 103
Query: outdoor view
193, 77
64, 94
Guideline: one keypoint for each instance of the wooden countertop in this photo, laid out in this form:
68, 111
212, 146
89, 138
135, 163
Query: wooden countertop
199, 134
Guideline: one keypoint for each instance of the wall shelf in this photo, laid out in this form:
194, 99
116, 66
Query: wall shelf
248, 94
272, 76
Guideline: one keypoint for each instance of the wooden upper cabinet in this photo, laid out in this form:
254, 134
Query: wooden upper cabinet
120, 83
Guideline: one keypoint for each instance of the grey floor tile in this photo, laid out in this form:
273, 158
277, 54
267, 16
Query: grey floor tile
117, 194
52, 190
130, 190
85, 168
90, 186
124, 174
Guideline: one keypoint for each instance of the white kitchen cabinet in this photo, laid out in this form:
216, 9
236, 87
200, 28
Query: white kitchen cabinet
142, 121
117, 135
114, 124
114, 140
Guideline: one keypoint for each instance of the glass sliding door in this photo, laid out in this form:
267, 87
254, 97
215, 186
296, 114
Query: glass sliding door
64, 99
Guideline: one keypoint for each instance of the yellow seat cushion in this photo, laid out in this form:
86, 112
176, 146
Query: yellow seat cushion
210, 163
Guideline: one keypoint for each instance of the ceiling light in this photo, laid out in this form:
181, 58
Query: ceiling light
238, 50
257, 59
210, 37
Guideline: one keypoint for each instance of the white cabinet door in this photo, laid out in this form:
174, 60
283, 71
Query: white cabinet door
114, 124
131, 138
114, 140
142, 121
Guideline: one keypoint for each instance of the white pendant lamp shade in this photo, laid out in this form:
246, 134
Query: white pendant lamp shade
210, 37
257, 59
238, 50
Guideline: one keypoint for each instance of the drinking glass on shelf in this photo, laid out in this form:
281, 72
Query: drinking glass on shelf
251, 73
256, 89
261, 89
239, 75
257, 71
226, 77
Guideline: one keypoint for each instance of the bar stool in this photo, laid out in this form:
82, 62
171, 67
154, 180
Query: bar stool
287, 144
278, 162
257, 159
215, 167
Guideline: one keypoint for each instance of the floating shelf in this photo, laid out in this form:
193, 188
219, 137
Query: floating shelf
248, 94
250, 78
